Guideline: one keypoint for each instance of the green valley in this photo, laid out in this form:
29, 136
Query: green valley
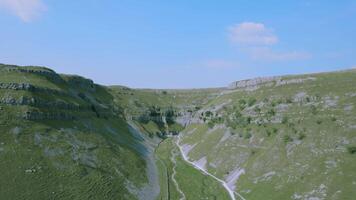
284, 137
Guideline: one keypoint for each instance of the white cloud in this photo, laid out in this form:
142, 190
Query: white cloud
268, 54
251, 33
26, 10
257, 41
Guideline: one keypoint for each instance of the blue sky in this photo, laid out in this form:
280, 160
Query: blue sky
178, 44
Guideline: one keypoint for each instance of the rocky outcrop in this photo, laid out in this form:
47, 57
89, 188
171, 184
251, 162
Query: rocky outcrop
31, 88
251, 84
80, 82
37, 115
38, 102
17, 86
48, 73
254, 84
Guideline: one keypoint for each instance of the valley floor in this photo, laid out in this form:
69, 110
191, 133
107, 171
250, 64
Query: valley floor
182, 179
233, 194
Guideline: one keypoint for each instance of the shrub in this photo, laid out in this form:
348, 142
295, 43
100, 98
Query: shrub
211, 124
333, 118
253, 152
313, 110
284, 120
319, 121
251, 101
242, 104
248, 120
301, 136
295, 131
150, 135
257, 109
351, 149
208, 113
287, 138
271, 112
289, 100
242, 101
247, 135
274, 130
238, 114
307, 99
164, 92
268, 132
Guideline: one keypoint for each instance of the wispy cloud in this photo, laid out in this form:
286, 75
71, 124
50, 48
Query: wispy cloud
26, 10
258, 40
250, 33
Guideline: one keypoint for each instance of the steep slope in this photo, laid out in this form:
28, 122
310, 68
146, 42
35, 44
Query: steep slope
63, 138
287, 137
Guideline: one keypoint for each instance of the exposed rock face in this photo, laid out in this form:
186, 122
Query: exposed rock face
48, 73
294, 81
254, 84
81, 82
36, 115
30, 87
17, 86
38, 102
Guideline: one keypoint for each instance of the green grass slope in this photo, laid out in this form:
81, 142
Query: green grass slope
291, 137
61, 137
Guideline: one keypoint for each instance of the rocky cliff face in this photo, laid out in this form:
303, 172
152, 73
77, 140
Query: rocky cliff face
75, 94
256, 83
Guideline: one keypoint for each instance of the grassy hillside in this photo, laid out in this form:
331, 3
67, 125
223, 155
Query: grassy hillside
63, 136
289, 138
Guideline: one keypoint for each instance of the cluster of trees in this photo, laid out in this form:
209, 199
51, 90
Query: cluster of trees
156, 114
